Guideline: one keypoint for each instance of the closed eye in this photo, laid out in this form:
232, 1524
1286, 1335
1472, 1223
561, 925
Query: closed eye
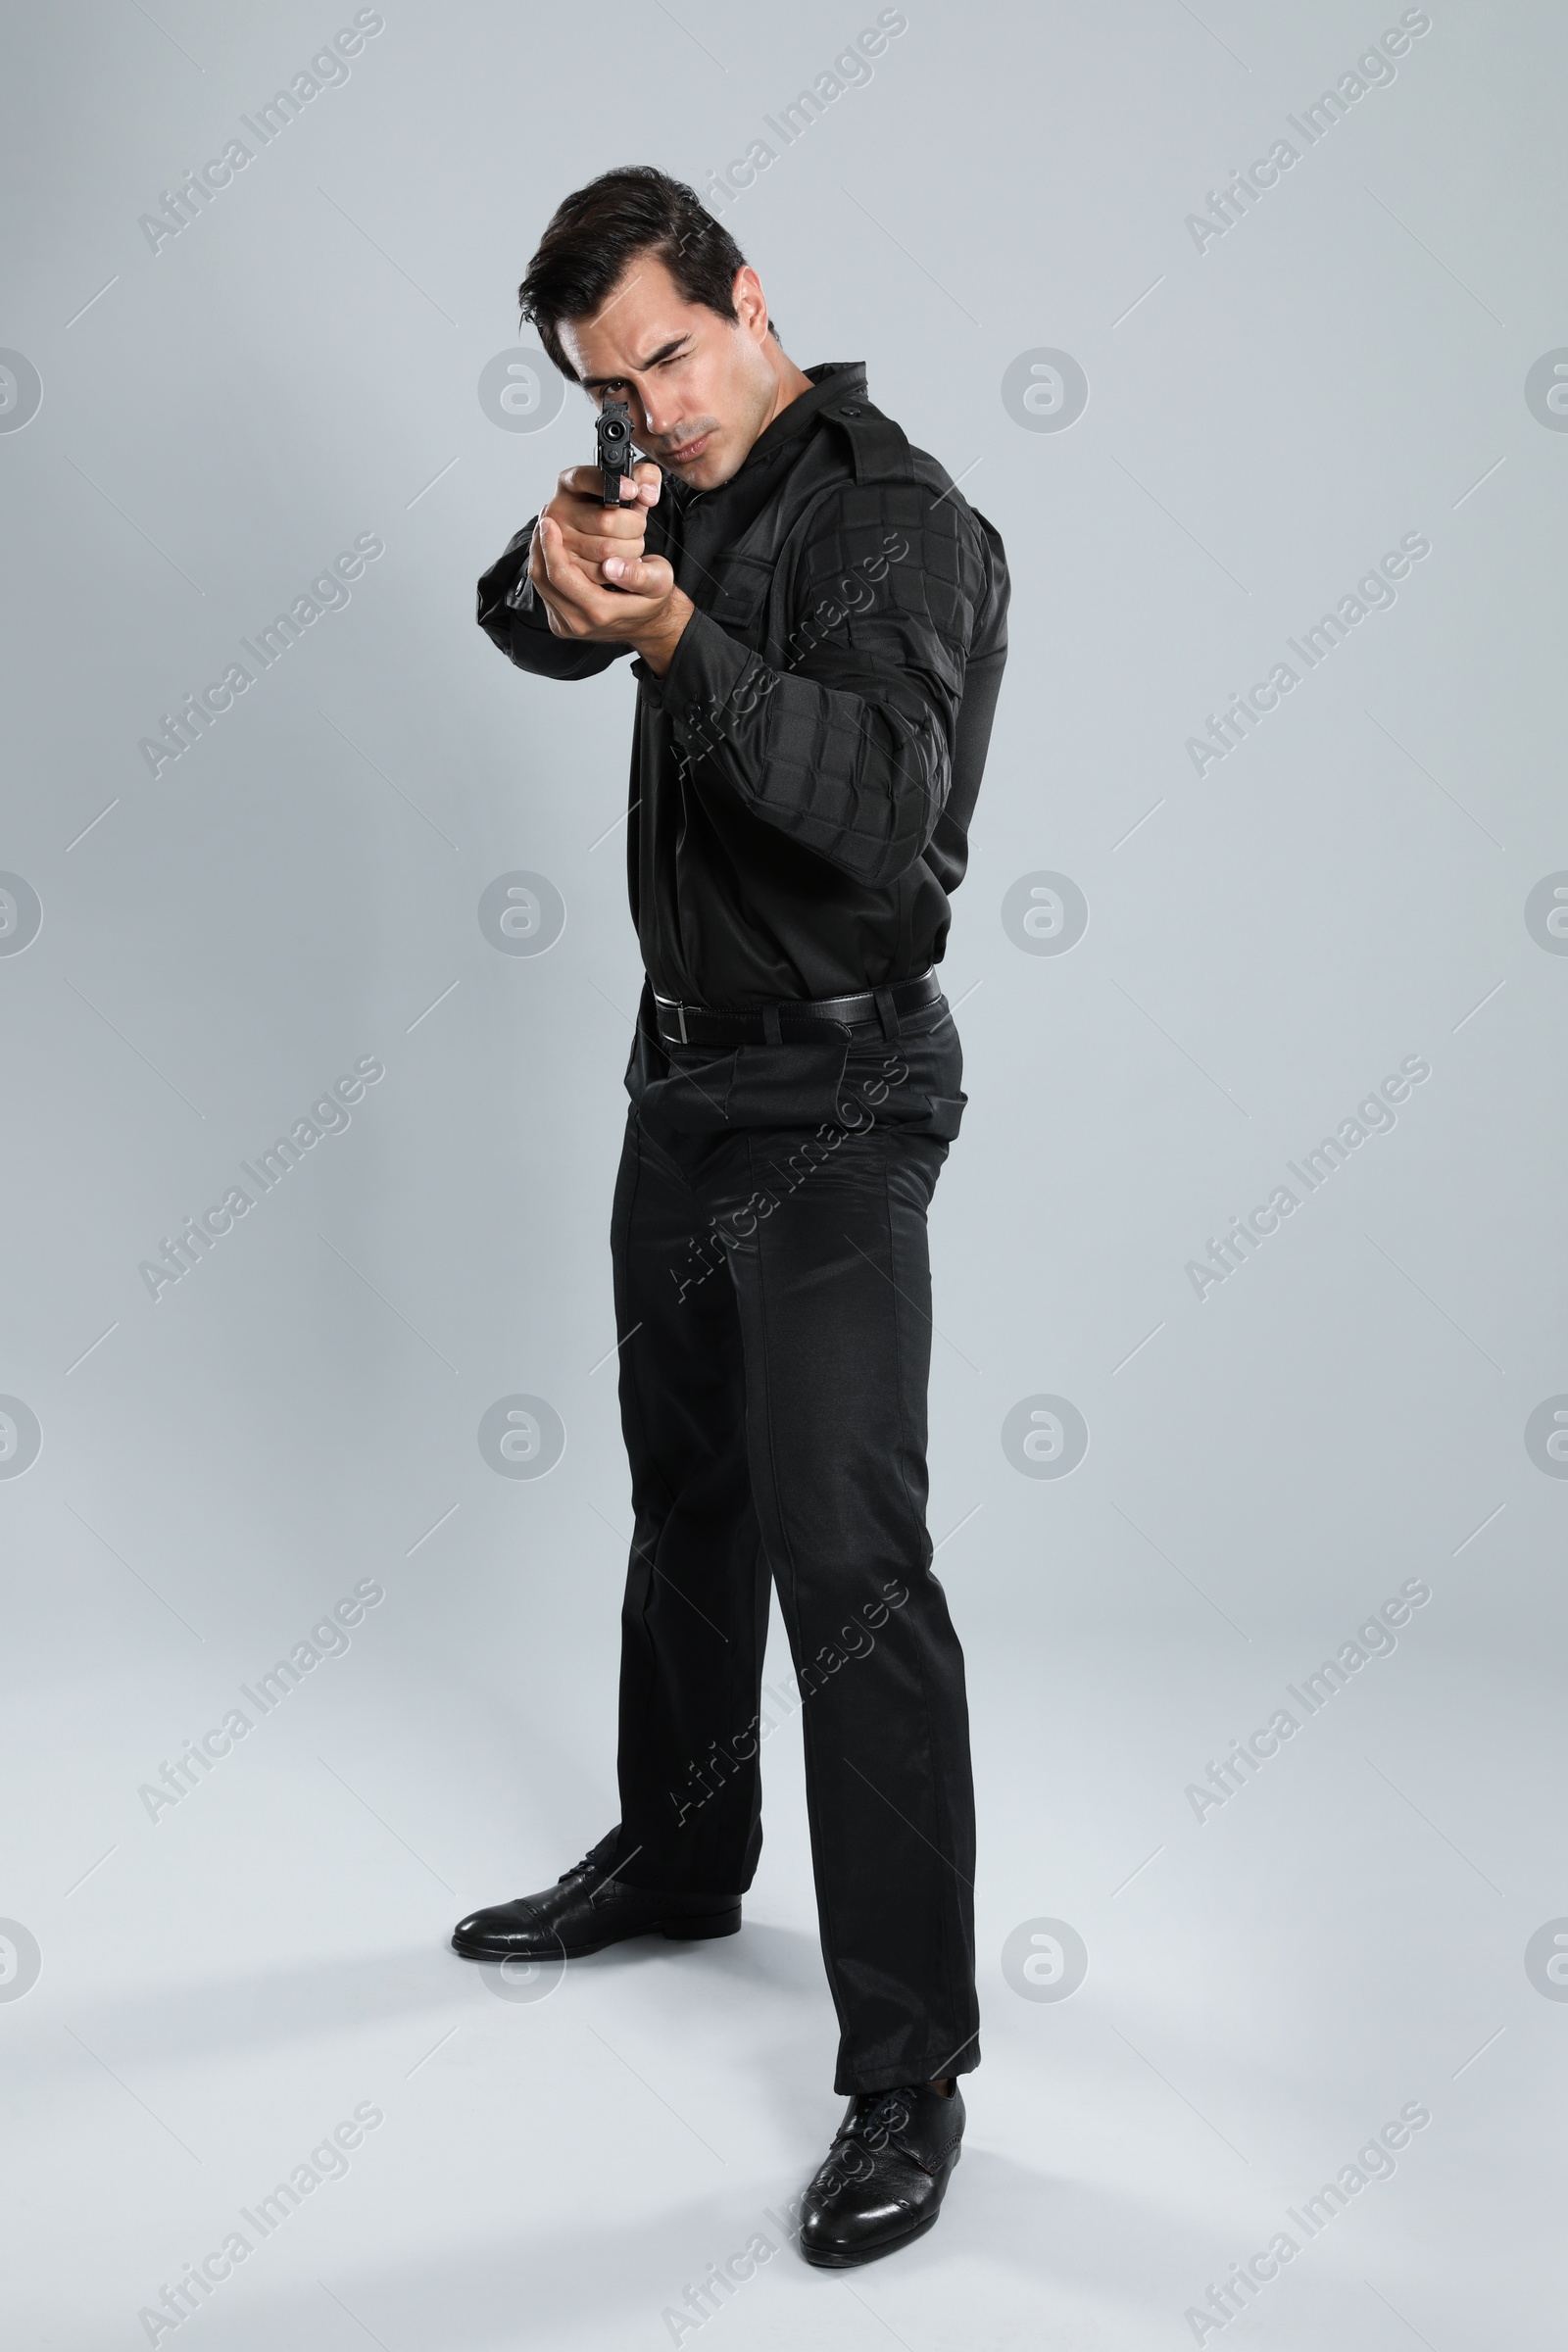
615, 385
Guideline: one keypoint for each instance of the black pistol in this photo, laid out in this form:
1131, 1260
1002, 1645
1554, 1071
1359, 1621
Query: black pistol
613, 428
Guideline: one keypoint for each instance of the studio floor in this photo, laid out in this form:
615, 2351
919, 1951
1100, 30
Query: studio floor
561, 2163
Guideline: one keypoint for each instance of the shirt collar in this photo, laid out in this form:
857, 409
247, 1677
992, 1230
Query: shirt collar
831, 379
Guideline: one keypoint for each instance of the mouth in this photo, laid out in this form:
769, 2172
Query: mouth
688, 450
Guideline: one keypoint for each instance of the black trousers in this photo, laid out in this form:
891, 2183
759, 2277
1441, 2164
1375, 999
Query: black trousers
772, 1280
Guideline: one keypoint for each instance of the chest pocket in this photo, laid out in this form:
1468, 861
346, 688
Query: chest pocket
734, 593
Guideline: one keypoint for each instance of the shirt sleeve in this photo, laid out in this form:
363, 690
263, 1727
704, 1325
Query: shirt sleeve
513, 617
846, 745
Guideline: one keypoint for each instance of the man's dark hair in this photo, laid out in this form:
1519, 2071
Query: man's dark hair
595, 233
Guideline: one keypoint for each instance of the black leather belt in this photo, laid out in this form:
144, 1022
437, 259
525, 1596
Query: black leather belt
793, 1018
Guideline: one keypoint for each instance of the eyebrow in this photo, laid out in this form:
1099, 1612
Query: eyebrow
594, 383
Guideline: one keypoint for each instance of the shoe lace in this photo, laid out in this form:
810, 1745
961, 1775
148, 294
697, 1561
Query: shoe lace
879, 2115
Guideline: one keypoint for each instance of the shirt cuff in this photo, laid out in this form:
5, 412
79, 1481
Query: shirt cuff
704, 671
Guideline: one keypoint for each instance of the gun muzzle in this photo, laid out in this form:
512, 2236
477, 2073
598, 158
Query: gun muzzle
615, 448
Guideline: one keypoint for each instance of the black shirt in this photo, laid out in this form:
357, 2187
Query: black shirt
804, 774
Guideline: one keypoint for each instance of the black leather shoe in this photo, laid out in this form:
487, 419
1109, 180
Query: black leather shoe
885, 2177
586, 1909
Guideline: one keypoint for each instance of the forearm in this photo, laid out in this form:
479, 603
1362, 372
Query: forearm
854, 767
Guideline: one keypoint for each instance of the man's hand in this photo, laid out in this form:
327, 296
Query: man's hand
588, 568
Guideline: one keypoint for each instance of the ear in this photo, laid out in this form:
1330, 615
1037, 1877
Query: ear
746, 292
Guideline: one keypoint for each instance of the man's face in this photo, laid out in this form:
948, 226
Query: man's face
699, 388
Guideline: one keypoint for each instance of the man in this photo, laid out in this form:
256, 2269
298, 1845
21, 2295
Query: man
817, 623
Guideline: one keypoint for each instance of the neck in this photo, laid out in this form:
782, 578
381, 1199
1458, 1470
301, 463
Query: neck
789, 381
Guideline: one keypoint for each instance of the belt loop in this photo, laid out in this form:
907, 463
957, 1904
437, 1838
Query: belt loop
887, 1012
773, 1027
680, 1015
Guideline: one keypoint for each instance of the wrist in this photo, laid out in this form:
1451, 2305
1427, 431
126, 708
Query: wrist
657, 644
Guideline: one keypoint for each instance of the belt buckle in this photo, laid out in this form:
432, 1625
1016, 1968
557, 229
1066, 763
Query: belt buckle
671, 1005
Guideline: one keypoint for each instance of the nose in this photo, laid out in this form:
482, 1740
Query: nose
653, 415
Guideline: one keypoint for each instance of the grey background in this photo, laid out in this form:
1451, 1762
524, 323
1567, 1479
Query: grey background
1265, 1466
